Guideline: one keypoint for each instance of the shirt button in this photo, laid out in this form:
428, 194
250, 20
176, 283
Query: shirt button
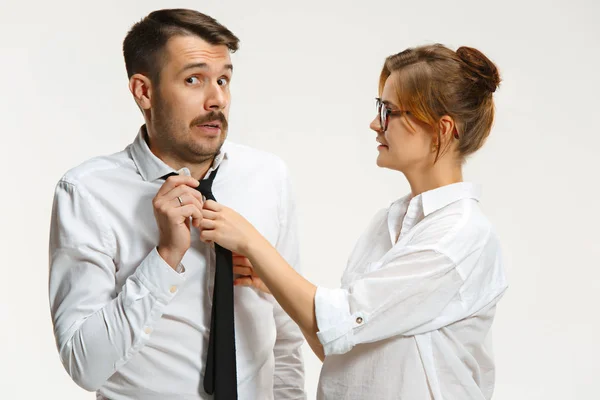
359, 320
173, 289
148, 331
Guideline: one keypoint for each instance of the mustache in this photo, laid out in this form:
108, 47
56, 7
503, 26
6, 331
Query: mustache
211, 116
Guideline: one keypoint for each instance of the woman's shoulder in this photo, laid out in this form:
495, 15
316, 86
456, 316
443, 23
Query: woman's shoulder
457, 230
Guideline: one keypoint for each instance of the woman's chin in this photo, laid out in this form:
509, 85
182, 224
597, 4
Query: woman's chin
385, 162
382, 161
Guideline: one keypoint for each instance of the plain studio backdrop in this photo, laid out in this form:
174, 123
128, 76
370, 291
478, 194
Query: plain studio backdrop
304, 86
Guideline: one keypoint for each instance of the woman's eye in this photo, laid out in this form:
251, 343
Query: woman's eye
192, 79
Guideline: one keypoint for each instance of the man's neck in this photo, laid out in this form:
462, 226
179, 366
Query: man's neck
197, 170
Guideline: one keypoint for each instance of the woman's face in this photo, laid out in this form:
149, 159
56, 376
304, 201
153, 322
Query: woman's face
407, 144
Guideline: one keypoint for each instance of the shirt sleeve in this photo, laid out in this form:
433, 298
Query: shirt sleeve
415, 292
98, 330
289, 366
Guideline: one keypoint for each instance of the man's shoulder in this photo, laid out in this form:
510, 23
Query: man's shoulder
252, 153
255, 160
99, 167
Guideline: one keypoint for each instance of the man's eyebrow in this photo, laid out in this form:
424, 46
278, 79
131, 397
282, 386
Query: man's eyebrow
202, 65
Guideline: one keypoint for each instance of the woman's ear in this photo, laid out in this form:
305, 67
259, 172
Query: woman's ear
447, 128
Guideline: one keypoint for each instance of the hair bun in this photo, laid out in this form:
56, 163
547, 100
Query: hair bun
480, 67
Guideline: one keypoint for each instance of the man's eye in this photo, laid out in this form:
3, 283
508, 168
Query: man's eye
223, 81
192, 79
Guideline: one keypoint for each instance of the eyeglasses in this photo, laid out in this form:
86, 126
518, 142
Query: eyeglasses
384, 113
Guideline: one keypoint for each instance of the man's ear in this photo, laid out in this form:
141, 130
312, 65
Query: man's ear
140, 87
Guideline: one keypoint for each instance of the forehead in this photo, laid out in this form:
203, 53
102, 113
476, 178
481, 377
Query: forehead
183, 50
397, 90
391, 84
388, 94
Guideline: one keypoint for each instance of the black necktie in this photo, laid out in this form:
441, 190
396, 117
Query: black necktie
220, 376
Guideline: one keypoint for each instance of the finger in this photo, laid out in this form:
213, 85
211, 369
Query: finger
242, 261
182, 190
190, 196
208, 236
209, 214
181, 214
170, 199
243, 281
212, 206
207, 224
246, 271
174, 181
182, 196
184, 199
196, 221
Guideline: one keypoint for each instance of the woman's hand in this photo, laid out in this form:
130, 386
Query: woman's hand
226, 227
295, 294
243, 267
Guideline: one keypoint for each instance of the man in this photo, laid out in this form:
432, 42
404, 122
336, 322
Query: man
131, 285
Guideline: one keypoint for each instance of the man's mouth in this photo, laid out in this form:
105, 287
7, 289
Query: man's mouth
212, 124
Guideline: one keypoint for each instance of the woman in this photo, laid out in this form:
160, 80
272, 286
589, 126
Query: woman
418, 296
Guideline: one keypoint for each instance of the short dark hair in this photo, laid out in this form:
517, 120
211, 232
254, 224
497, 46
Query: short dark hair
144, 44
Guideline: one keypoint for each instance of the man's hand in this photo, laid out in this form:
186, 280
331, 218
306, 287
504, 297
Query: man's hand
242, 266
176, 201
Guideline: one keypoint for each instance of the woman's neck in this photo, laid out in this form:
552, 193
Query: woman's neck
434, 177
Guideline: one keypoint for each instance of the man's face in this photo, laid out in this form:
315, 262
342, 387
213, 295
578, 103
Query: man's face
190, 103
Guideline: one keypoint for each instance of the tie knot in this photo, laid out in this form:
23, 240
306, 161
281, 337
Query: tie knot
206, 185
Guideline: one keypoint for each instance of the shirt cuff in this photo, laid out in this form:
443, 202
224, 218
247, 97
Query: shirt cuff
158, 276
335, 322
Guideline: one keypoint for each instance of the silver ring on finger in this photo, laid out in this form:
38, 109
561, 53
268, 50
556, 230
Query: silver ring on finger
180, 201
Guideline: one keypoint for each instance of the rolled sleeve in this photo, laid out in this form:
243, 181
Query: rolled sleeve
335, 321
410, 294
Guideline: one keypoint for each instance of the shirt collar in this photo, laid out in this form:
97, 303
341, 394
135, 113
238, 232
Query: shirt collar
407, 211
436, 199
151, 167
